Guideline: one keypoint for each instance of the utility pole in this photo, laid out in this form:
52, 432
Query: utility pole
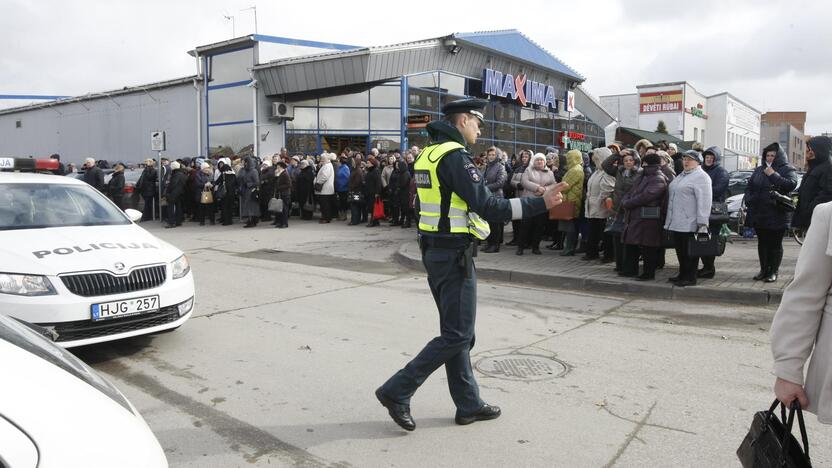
233, 28
254, 9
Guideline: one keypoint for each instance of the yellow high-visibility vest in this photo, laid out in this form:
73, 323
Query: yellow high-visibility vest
461, 219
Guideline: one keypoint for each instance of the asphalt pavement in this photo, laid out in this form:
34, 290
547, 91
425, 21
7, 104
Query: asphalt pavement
295, 328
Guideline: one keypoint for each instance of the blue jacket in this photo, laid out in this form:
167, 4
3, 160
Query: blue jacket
342, 179
718, 174
762, 212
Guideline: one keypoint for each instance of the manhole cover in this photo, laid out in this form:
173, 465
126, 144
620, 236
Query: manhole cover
527, 367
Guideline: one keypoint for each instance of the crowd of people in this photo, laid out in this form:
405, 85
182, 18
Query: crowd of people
624, 206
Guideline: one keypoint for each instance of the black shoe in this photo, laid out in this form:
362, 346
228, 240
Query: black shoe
406, 226
772, 277
674, 279
683, 283
519, 252
400, 413
512, 242
626, 274
170, 226
535, 251
761, 275
604, 261
489, 249
485, 413
706, 274
643, 277
589, 257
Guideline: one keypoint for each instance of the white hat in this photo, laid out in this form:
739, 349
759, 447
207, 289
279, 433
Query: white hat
672, 145
174, 165
204, 165
89, 161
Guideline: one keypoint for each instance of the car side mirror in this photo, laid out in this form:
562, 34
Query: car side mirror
134, 215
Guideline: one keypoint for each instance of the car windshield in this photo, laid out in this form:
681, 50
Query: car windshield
33, 206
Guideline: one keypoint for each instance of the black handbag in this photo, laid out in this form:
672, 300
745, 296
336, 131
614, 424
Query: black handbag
356, 197
319, 187
709, 246
719, 213
783, 202
651, 212
770, 442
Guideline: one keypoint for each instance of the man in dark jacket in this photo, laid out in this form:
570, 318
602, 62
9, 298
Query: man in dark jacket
719, 187
174, 194
147, 188
115, 188
816, 186
769, 221
61, 170
93, 175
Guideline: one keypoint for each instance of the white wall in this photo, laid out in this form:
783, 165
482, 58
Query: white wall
270, 133
624, 107
116, 129
691, 122
716, 134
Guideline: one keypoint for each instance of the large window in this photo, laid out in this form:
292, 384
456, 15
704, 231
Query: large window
360, 120
230, 67
228, 140
230, 103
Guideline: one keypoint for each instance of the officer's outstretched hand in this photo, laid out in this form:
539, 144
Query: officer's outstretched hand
552, 196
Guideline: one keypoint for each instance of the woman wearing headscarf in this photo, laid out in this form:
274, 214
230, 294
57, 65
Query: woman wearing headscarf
203, 183
643, 207
688, 213
283, 192
225, 190
575, 193
599, 187
534, 182
372, 189
248, 181
769, 220
358, 207
495, 180
305, 189
516, 177
402, 191
325, 189
816, 186
625, 178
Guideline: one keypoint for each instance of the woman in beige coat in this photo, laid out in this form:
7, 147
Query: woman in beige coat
534, 182
801, 324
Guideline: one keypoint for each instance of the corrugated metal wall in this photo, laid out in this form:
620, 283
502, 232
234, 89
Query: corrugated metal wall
116, 129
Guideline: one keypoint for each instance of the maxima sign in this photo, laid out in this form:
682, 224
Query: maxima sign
520, 88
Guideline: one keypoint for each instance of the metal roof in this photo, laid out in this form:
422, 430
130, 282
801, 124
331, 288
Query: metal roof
105, 94
514, 43
380, 63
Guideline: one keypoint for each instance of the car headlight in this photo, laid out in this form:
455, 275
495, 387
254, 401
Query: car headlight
180, 267
25, 285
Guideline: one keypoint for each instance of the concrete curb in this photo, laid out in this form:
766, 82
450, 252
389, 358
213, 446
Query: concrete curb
654, 290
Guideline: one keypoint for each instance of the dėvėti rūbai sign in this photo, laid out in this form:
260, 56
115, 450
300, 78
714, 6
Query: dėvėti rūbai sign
521, 89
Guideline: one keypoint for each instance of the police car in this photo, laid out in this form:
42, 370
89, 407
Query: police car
55, 411
79, 268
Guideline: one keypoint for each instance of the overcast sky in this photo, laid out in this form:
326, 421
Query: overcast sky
773, 54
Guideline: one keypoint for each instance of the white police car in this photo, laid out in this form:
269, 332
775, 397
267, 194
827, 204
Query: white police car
57, 412
74, 264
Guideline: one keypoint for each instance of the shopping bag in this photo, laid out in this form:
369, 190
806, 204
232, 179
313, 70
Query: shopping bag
275, 205
703, 246
565, 211
770, 442
378, 209
206, 198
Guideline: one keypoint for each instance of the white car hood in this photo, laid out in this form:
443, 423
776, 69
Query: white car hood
53, 251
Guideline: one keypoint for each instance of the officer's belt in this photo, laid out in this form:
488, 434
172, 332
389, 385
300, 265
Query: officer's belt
456, 242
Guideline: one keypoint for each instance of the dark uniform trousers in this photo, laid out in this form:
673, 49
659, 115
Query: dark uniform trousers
453, 283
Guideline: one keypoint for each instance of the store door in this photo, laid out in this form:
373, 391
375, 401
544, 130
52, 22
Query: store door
337, 143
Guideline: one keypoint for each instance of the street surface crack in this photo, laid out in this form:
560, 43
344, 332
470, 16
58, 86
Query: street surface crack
630, 437
657, 426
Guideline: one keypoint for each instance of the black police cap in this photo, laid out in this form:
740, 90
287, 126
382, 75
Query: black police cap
466, 106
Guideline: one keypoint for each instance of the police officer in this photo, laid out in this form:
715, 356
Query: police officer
452, 196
